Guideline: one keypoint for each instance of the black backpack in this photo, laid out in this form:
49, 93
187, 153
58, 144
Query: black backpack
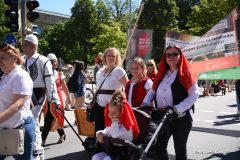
72, 83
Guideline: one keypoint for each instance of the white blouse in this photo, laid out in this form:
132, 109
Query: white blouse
164, 94
17, 81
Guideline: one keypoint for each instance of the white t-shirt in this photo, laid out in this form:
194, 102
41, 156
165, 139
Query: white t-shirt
147, 86
112, 82
17, 81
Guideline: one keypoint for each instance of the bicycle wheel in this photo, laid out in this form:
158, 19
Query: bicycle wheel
88, 96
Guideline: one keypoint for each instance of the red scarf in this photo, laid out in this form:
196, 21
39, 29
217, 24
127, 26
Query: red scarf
126, 118
187, 77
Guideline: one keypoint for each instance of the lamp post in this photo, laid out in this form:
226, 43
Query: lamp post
130, 29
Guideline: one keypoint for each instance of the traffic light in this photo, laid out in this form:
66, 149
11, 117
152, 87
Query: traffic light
31, 15
12, 13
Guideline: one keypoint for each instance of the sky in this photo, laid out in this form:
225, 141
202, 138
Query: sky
59, 6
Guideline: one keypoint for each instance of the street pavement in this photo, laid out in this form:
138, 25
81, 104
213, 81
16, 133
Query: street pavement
215, 134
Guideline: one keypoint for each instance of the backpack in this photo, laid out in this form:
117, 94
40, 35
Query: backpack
72, 83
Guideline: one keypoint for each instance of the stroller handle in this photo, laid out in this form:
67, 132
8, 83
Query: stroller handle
164, 119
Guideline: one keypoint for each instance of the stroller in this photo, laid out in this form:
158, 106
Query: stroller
146, 141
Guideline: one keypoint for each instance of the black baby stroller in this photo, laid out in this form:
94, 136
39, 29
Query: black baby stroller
149, 132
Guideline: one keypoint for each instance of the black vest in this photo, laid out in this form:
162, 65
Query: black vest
179, 93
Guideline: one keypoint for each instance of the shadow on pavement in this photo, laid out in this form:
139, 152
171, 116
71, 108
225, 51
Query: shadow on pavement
232, 105
229, 156
235, 118
225, 132
73, 156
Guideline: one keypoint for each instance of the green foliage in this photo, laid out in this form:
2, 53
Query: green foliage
110, 36
159, 15
3, 29
208, 13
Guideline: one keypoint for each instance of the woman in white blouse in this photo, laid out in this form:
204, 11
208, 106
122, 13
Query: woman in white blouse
175, 87
114, 81
15, 94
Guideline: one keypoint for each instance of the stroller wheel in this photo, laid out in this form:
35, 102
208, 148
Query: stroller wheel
90, 144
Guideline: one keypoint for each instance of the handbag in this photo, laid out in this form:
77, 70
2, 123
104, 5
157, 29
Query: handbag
12, 141
90, 110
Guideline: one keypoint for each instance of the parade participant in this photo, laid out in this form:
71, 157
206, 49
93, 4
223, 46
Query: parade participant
113, 81
175, 85
120, 122
41, 72
53, 120
15, 96
137, 88
151, 69
98, 64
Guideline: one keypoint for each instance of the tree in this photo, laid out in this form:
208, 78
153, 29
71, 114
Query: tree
111, 36
185, 9
159, 15
208, 13
3, 30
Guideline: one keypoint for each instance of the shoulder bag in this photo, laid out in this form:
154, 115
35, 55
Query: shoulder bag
90, 110
12, 141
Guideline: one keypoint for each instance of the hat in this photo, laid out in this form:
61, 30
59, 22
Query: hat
51, 56
100, 53
31, 38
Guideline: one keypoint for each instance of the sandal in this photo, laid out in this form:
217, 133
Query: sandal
62, 139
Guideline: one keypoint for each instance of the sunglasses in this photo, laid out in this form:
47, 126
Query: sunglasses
149, 65
174, 54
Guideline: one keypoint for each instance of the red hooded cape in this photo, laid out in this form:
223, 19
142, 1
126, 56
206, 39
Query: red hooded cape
126, 117
187, 77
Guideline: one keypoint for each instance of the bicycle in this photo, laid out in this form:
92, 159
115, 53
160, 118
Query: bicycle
89, 93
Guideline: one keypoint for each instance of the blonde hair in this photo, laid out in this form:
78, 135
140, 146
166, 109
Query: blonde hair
13, 52
151, 61
117, 99
114, 50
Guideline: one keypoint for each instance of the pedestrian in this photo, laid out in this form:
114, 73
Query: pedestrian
176, 86
81, 81
98, 64
54, 121
15, 96
68, 74
120, 123
237, 89
151, 69
109, 83
40, 70
137, 88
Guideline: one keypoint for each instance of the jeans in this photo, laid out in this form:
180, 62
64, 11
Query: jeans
29, 126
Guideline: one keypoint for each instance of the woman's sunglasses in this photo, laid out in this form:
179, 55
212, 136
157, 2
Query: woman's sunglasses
149, 65
174, 54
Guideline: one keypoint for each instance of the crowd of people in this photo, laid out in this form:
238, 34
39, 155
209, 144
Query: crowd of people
173, 85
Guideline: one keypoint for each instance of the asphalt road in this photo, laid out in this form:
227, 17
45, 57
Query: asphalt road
215, 134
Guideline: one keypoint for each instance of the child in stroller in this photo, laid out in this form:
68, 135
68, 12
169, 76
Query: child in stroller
120, 123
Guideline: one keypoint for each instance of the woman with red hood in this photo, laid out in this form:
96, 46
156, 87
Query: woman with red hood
120, 123
175, 85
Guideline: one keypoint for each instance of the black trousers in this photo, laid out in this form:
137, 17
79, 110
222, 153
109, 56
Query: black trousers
48, 119
99, 118
179, 128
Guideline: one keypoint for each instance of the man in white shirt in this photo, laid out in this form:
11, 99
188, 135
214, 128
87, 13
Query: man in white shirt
41, 72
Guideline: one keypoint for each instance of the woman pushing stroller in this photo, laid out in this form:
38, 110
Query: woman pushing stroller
120, 123
175, 85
